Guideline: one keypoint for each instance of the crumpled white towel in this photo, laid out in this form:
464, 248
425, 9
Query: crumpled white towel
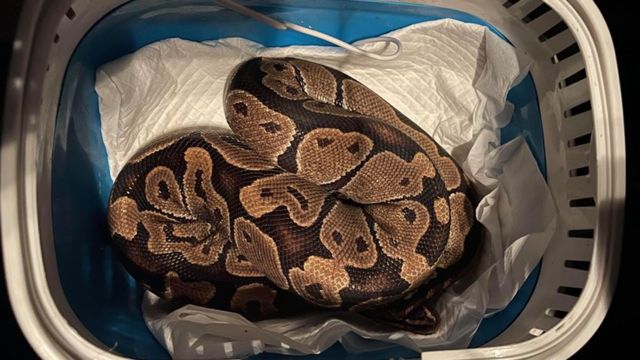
451, 79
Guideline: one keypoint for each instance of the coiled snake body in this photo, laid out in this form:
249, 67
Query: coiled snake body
323, 192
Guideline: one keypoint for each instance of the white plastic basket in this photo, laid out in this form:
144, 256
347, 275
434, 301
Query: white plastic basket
576, 79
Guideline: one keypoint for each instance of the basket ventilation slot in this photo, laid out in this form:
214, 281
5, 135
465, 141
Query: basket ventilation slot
509, 3
578, 109
567, 52
577, 264
581, 233
580, 75
584, 202
536, 13
70, 14
553, 31
558, 314
581, 140
571, 291
581, 171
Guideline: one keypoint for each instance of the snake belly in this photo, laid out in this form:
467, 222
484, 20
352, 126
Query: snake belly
322, 192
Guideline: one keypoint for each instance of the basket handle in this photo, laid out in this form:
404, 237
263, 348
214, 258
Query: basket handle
285, 25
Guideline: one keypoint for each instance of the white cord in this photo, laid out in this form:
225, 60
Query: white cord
230, 4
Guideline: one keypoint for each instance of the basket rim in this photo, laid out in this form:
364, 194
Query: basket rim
52, 336
563, 340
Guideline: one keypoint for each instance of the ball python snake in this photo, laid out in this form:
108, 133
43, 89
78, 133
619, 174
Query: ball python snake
322, 192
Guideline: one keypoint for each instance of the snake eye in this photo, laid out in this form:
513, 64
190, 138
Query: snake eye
291, 90
279, 67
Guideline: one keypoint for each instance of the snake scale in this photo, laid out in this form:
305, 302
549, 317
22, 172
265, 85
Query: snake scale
323, 195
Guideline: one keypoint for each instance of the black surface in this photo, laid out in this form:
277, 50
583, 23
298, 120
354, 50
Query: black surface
12, 341
615, 336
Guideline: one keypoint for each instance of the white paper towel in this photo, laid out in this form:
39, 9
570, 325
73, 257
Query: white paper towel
451, 79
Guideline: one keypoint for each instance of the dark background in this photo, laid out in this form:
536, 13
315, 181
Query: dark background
615, 336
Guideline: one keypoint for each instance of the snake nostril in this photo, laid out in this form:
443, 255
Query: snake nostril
405, 181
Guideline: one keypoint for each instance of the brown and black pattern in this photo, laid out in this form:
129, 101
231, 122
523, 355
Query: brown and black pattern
348, 149
236, 153
322, 191
399, 227
261, 296
255, 123
345, 233
237, 264
200, 292
405, 178
302, 198
280, 77
260, 249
